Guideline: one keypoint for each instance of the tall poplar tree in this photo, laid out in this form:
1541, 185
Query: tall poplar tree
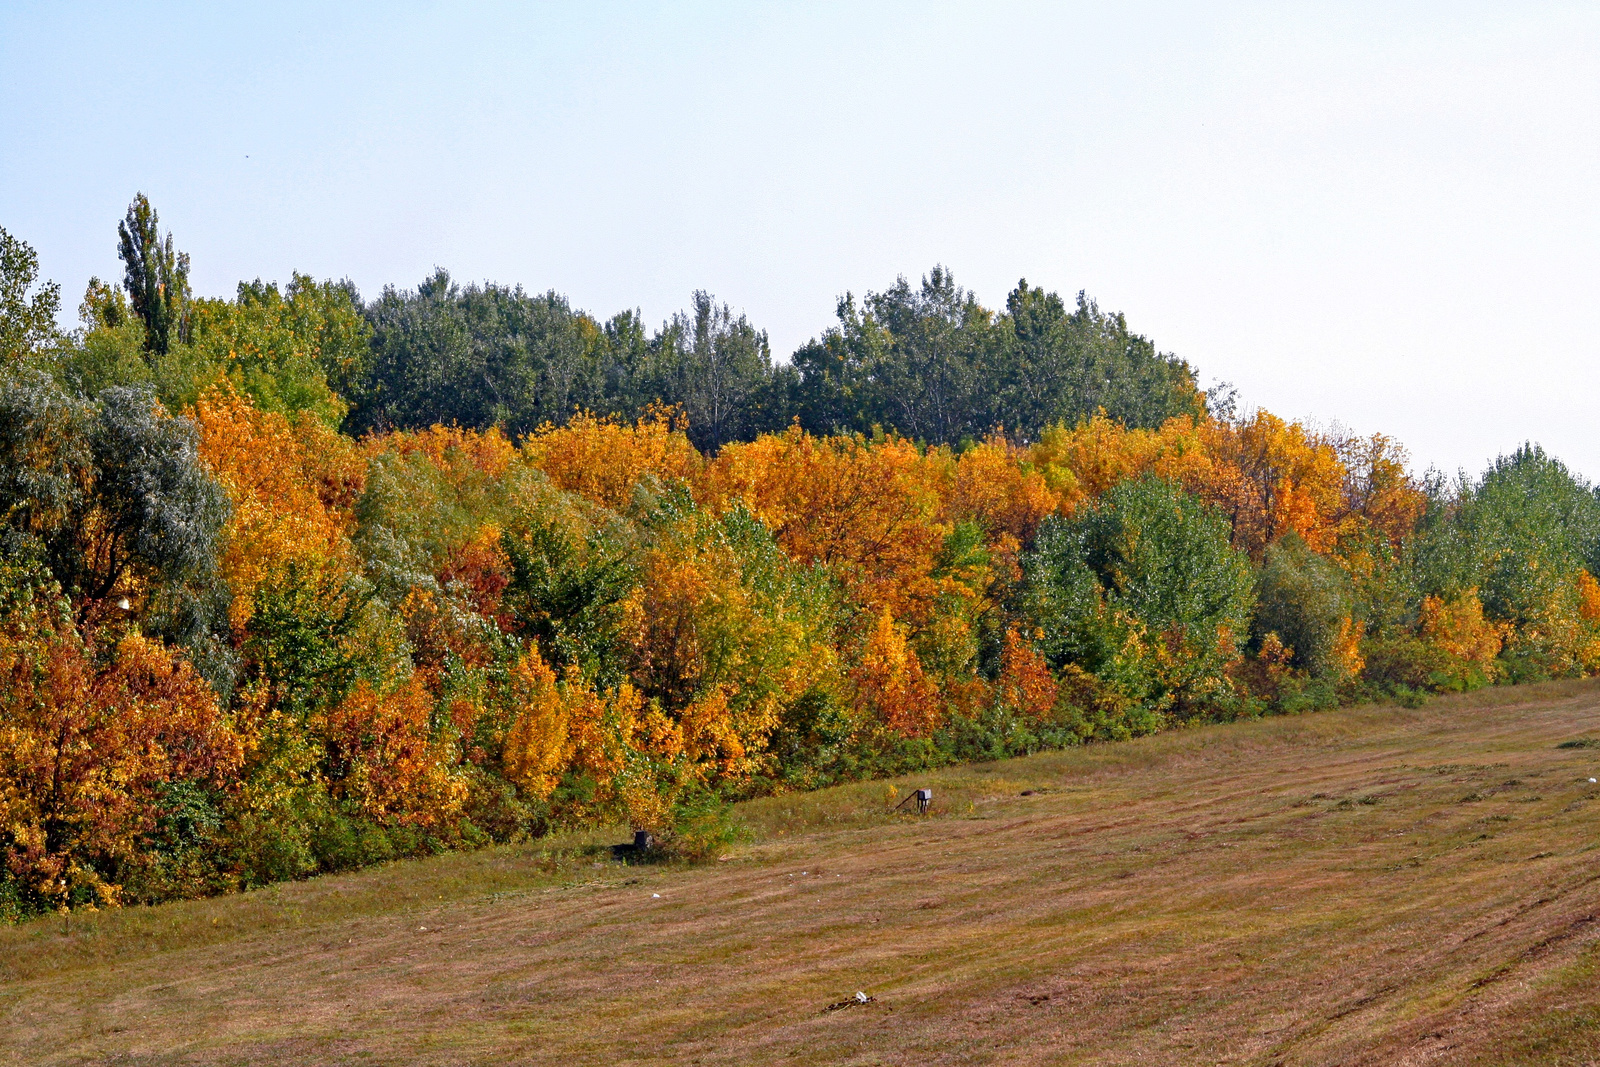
157, 278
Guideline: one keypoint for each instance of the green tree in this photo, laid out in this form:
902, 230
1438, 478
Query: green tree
287, 350
476, 357
1517, 535
1144, 590
567, 595
105, 490
716, 366
911, 360
932, 363
110, 349
1305, 600
156, 277
27, 322
1062, 366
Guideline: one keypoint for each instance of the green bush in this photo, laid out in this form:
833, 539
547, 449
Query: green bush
1304, 599
1402, 661
1144, 591
701, 828
14, 904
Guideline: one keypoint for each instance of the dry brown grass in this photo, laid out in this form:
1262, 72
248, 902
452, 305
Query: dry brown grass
1365, 886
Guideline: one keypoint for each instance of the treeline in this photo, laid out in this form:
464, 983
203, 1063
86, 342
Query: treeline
293, 584
928, 362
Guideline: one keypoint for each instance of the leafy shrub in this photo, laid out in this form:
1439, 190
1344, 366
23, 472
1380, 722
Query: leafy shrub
1144, 591
701, 827
1305, 599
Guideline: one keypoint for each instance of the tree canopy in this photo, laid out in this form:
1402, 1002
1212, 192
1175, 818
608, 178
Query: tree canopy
293, 582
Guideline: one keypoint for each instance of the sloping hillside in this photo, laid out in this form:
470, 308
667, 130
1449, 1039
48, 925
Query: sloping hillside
1363, 886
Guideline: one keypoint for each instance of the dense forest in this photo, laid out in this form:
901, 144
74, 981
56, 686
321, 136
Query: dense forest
295, 582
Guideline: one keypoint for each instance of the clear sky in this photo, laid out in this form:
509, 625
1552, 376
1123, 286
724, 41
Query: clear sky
1385, 215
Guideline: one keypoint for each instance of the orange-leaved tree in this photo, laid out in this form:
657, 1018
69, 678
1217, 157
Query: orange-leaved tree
999, 490
1081, 463
1469, 642
382, 754
292, 484
1026, 685
566, 729
1274, 478
866, 510
1379, 492
890, 686
606, 459
86, 746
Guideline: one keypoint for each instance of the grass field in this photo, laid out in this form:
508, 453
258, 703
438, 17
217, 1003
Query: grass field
1375, 885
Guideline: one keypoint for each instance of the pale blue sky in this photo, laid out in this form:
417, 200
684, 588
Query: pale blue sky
1382, 214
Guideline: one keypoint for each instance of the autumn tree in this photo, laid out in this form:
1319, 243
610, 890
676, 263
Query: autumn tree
88, 739
606, 459
865, 510
292, 486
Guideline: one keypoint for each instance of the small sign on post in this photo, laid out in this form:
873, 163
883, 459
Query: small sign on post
923, 797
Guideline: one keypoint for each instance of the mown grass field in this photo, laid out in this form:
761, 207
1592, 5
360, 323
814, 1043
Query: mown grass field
1375, 885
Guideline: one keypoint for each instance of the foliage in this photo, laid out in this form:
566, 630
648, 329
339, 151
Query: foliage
155, 276
933, 364
88, 740
27, 323
1520, 537
867, 511
1305, 600
474, 357
291, 486
1143, 591
283, 349
607, 461
113, 492
1467, 644
585, 572
700, 828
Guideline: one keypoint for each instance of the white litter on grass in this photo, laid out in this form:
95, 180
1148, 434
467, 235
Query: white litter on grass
861, 998
1591, 779
655, 896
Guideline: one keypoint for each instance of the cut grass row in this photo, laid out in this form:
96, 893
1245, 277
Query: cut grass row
1366, 885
